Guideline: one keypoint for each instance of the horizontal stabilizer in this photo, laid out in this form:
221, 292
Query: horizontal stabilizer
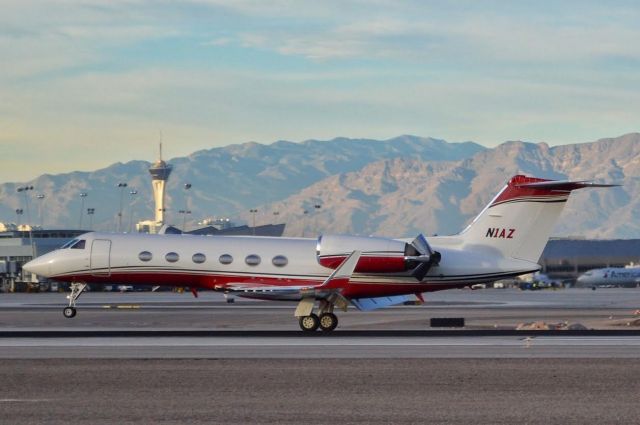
368, 304
563, 185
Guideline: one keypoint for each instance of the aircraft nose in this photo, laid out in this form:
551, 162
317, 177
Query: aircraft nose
40, 266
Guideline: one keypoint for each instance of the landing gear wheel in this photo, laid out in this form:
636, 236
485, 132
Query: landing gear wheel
69, 312
328, 322
309, 323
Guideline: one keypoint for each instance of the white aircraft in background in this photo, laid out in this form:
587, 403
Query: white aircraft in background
505, 240
610, 277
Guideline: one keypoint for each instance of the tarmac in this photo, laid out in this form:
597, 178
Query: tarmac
170, 358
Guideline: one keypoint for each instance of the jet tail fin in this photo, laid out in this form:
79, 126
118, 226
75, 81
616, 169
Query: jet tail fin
519, 220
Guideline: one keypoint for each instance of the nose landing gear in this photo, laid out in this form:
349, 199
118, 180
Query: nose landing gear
76, 290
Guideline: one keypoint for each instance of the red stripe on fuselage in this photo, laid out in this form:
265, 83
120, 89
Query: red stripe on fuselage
358, 289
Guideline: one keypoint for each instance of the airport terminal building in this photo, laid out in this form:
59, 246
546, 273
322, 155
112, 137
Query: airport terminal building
566, 259
19, 246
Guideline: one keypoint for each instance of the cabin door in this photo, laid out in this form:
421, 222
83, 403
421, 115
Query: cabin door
101, 257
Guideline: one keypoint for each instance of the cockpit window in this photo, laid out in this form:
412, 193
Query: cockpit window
68, 244
79, 245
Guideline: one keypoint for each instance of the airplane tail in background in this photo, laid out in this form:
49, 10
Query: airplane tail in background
518, 221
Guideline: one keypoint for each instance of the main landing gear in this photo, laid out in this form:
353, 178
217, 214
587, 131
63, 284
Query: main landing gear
326, 322
76, 291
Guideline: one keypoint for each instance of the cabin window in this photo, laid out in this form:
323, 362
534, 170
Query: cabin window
252, 260
199, 258
226, 259
280, 261
79, 245
145, 256
172, 257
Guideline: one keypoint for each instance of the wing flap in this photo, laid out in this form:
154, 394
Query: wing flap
368, 304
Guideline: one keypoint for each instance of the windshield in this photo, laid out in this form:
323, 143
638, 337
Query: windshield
78, 245
68, 244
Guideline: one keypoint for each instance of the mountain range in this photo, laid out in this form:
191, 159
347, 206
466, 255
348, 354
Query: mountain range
225, 180
397, 187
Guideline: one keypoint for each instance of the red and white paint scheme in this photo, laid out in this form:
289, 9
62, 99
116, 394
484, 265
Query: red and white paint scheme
505, 240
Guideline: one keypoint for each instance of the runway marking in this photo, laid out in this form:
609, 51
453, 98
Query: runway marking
24, 400
318, 342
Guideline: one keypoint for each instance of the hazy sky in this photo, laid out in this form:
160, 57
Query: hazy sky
87, 83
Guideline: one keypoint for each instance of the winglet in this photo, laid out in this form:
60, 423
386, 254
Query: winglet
341, 275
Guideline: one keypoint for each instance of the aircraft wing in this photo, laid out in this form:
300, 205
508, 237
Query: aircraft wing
265, 291
336, 281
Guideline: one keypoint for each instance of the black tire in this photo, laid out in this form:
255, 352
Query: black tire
69, 312
309, 323
328, 322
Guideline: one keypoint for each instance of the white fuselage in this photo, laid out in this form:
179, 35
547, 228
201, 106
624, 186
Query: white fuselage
203, 262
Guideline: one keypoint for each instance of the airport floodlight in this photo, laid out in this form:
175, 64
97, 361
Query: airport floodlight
184, 218
41, 197
121, 185
132, 193
82, 196
253, 212
90, 212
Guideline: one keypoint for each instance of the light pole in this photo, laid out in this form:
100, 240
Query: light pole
40, 197
82, 196
133, 193
19, 212
90, 212
121, 186
24, 190
184, 219
253, 212
275, 217
304, 221
317, 208
187, 186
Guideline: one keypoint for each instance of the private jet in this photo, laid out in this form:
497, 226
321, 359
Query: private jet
331, 272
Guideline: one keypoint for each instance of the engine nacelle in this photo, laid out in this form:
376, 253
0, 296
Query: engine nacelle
379, 255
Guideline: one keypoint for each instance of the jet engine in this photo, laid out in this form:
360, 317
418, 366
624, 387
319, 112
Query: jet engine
379, 255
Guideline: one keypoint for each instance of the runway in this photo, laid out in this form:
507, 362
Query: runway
171, 359
482, 309
273, 347
339, 391
170, 325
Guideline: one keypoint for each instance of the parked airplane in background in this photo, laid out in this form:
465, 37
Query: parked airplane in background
610, 277
504, 240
